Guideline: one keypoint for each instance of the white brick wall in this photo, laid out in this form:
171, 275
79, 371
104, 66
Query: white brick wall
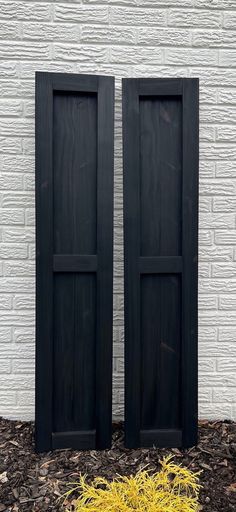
173, 38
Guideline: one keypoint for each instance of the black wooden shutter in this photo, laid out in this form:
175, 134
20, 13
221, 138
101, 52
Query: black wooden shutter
74, 194
160, 126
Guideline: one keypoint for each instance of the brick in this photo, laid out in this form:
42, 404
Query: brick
218, 187
25, 10
18, 268
13, 251
18, 200
29, 182
165, 3
16, 88
18, 163
207, 169
85, 14
224, 270
5, 366
22, 50
138, 16
10, 108
17, 318
28, 145
227, 334
225, 169
227, 302
217, 4
215, 253
10, 145
192, 57
8, 399
226, 133
208, 95
24, 335
227, 58
24, 127
10, 30
110, 35
218, 317
217, 151
23, 366
121, 2
205, 204
218, 380
215, 413
217, 285
5, 302
32, 251
217, 350
11, 216
207, 302
214, 38
5, 335
207, 335
217, 220
211, 76
207, 366
24, 302
11, 181
230, 20
207, 133
204, 270
225, 395
18, 234
20, 351
225, 237
224, 204
205, 237
18, 412
25, 398
30, 217
162, 36
185, 18
9, 69
227, 96
204, 395
79, 53
28, 108
220, 114
16, 382
50, 32
133, 56
17, 285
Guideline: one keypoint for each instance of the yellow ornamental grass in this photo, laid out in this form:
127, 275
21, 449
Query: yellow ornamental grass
173, 489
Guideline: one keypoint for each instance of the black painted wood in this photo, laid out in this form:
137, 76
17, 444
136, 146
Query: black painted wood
160, 140
74, 216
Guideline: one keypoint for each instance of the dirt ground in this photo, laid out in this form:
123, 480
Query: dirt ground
31, 482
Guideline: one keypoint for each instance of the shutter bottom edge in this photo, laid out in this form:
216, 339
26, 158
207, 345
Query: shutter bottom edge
161, 438
77, 440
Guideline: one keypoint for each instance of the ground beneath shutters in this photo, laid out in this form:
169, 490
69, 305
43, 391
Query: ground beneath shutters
30, 482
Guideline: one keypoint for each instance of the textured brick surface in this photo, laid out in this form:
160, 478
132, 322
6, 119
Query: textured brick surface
173, 38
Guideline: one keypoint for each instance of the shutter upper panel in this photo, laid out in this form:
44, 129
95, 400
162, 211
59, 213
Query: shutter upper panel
160, 130
74, 192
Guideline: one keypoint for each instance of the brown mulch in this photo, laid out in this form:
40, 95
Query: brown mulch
30, 482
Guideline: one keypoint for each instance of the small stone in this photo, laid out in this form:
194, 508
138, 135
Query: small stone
43, 471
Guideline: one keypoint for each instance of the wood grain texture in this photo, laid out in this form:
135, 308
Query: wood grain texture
75, 173
160, 139
74, 168
160, 131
